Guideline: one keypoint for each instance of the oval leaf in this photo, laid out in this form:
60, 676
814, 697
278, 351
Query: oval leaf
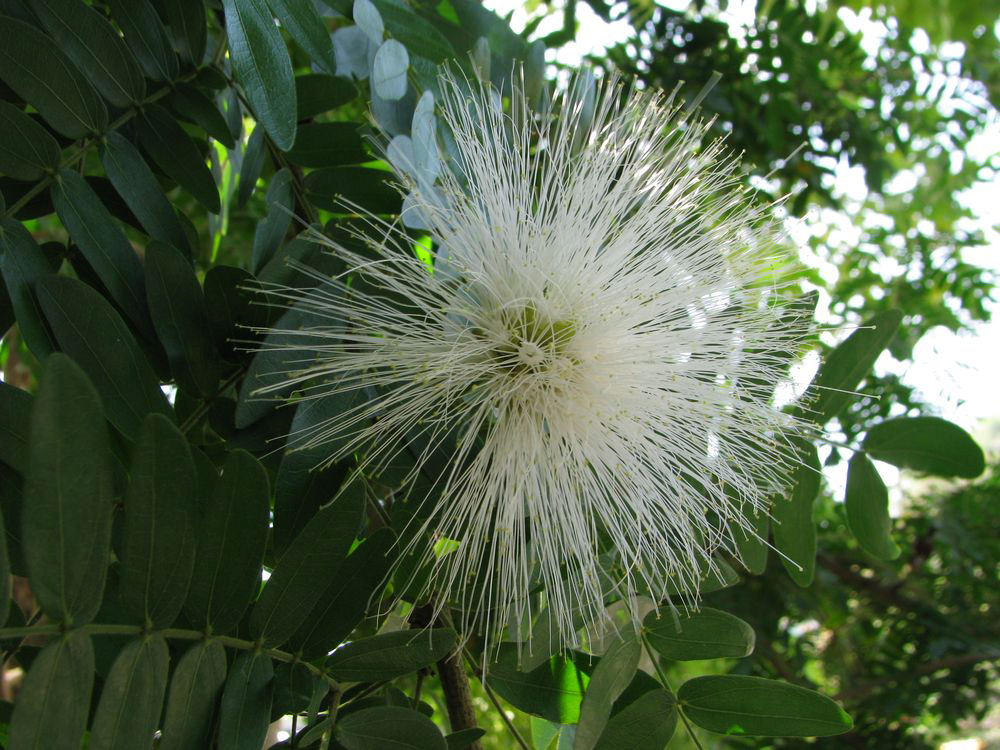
304, 25
68, 495
388, 727
194, 688
705, 634
741, 705
245, 711
15, 415
23, 263
389, 70
161, 517
231, 542
146, 37
867, 508
612, 675
927, 444
263, 67
553, 691
129, 710
792, 518
27, 151
187, 27
328, 144
192, 105
272, 229
647, 723
54, 700
389, 655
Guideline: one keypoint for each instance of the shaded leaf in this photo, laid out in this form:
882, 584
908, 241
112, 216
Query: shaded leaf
194, 106
263, 67
253, 163
27, 151
609, 680
390, 655
229, 304
188, 31
4, 573
92, 333
647, 723
388, 727
245, 711
68, 494
370, 188
705, 634
15, 415
129, 709
272, 229
176, 154
22, 264
867, 507
194, 688
464, 738
553, 691
741, 705
231, 542
328, 144
316, 93
304, 25
927, 444
792, 517
146, 37
38, 72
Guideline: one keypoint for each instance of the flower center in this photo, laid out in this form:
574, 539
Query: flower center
529, 353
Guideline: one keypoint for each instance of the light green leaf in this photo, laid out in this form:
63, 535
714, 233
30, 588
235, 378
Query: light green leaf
553, 691
927, 444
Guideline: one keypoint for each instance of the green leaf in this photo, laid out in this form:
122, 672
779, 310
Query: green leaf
328, 144
867, 507
292, 591
194, 106
741, 705
705, 634
417, 34
847, 365
388, 728
103, 245
181, 319
253, 163
317, 93
370, 188
927, 444
139, 188
464, 738
263, 67
553, 691
161, 518
390, 655
245, 711
752, 543
146, 37
38, 72
389, 70
68, 495
612, 675
92, 333
346, 598
792, 518
129, 710
177, 155
229, 305
645, 724
188, 30
4, 573
27, 151
231, 542
15, 415
272, 228
194, 688
304, 25
54, 700
96, 48
22, 264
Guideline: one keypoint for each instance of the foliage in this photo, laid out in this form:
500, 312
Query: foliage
187, 573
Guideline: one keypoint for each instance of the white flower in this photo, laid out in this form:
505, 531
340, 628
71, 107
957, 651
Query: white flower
598, 351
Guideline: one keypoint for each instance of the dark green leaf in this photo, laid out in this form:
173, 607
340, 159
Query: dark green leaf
847, 365
22, 264
736, 704
194, 688
229, 304
645, 724
612, 675
317, 93
92, 333
463, 739
231, 543
291, 592
752, 543
705, 634
867, 508
54, 700
181, 319
68, 495
553, 691
129, 709
385, 727
373, 189
4, 573
38, 72
104, 246
263, 67
328, 144
294, 687
253, 163
390, 655
272, 229
138, 187
27, 151
416, 33
346, 598
177, 155
161, 518
146, 37
96, 48
188, 31
246, 702
304, 25
194, 106
792, 517
927, 444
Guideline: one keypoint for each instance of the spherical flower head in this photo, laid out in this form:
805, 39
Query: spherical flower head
595, 348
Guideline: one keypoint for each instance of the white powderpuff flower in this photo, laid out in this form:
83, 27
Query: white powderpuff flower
596, 349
